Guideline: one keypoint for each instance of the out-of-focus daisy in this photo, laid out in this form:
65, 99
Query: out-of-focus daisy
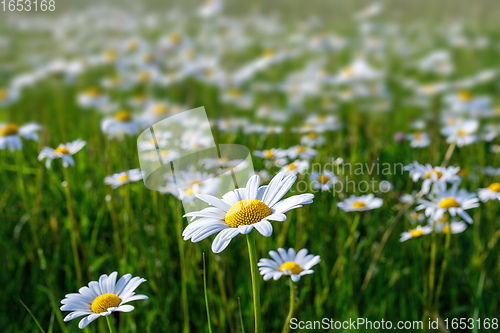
125, 177
301, 152
452, 201
491, 192
416, 217
462, 133
241, 210
418, 139
287, 263
312, 139
11, 134
295, 167
189, 183
361, 203
323, 180
123, 123
101, 298
433, 177
270, 154
419, 231
64, 151
264, 175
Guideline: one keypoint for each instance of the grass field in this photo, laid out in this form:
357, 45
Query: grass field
371, 89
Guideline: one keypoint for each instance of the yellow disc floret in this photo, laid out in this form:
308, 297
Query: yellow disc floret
9, 129
449, 203
105, 301
246, 212
415, 233
495, 187
123, 178
292, 267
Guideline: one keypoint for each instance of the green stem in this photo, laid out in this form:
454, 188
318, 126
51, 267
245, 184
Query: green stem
252, 253
32, 316
109, 324
206, 295
286, 328
184, 269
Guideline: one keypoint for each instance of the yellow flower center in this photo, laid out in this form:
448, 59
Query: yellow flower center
292, 166
123, 178
164, 153
246, 212
323, 179
268, 53
3, 95
461, 132
92, 92
301, 149
144, 76
449, 203
105, 301
9, 129
416, 233
446, 229
439, 174
313, 135
495, 187
224, 160
62, 150
359, 204
417, 135
268, 154
292, 267
464, 96
349, 72
123, 116
235, 93
160, 109
175, 38
148, 58
110, 55
132, 45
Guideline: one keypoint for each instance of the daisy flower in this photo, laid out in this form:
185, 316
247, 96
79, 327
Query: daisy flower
452, 201
92, 98
287, 263
419, 231
361, 203
323, 180
241, 210
433, 177
270, 154
64, 151
455, 227
489, 193
119, 179
11, 134
101, 298
124, 122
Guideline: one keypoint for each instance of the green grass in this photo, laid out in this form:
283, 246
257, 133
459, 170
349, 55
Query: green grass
137, 232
